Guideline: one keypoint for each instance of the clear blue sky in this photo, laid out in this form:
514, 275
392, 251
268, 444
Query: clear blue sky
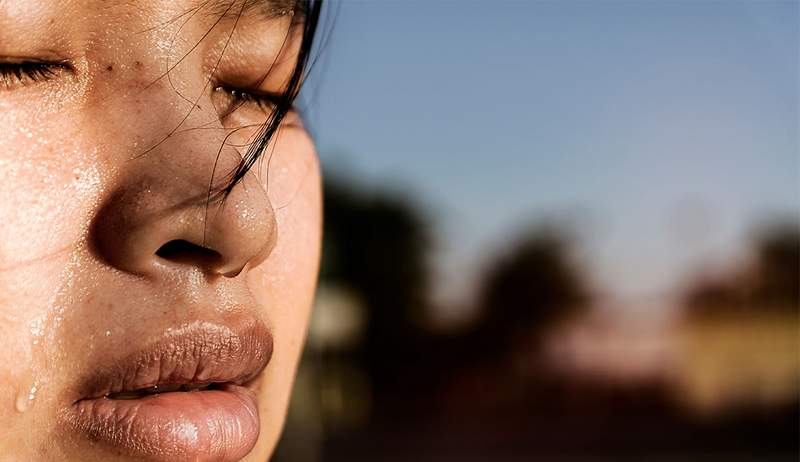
668, 128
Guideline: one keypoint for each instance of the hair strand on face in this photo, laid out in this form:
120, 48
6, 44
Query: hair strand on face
307, 14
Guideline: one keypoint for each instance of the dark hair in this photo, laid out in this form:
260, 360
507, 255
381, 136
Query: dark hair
306, 14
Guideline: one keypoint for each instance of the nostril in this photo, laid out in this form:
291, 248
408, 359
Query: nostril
185, 252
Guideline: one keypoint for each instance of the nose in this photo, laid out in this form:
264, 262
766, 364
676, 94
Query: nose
157, 213
151, 227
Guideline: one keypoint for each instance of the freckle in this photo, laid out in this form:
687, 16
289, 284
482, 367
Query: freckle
110, 67
138, 64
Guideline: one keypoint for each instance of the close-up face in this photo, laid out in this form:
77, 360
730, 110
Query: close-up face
161, 227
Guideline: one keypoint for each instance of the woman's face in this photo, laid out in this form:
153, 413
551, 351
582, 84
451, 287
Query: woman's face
122, 286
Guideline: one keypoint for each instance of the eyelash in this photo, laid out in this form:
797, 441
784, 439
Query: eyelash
32, 72
28, 72
239, 97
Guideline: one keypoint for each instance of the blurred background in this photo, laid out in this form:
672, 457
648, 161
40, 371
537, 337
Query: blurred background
563, 230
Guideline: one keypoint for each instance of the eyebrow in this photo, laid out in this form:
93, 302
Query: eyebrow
267, 9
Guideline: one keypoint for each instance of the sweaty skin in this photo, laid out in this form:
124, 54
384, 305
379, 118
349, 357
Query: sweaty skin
104, 162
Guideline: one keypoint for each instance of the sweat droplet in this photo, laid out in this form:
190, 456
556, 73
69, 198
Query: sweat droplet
25, 398
22, 402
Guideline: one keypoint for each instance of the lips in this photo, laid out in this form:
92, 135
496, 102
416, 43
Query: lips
184, 397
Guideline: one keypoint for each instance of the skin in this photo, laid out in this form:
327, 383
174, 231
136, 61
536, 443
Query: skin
101, 166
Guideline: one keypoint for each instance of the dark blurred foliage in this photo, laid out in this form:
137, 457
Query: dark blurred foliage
778, 267
377, 245
495, 366
530, 289
486, 392
772, 282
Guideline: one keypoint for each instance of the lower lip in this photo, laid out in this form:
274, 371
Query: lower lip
210, 425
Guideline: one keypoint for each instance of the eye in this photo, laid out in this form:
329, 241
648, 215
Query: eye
22, 73
237, 98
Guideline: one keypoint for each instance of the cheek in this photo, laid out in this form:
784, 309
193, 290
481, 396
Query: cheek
49, 183
46, 195
285, 283
47, 188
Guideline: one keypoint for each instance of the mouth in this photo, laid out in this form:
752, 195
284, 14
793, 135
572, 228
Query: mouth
185, 397
158, 389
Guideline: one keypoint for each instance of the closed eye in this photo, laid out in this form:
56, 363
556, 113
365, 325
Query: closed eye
21, 73
264, 102
236, 98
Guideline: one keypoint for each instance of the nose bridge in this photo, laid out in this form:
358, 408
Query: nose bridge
152, 73
160, 109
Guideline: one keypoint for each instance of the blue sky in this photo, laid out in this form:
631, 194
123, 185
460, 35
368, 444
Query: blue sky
664, 130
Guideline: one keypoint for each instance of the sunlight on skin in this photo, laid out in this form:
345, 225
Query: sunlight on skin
106, 159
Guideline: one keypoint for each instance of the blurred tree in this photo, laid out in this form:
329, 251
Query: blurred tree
530, 289
377, 245
496, 370
778, 267
771, 283
711, 295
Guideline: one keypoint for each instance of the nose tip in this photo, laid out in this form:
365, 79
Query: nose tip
141, 231
240, 230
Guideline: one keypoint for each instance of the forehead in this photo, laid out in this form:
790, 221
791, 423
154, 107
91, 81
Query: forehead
266, 9
76, 21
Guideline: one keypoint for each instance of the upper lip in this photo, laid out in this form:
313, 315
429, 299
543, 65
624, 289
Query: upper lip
192, 354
